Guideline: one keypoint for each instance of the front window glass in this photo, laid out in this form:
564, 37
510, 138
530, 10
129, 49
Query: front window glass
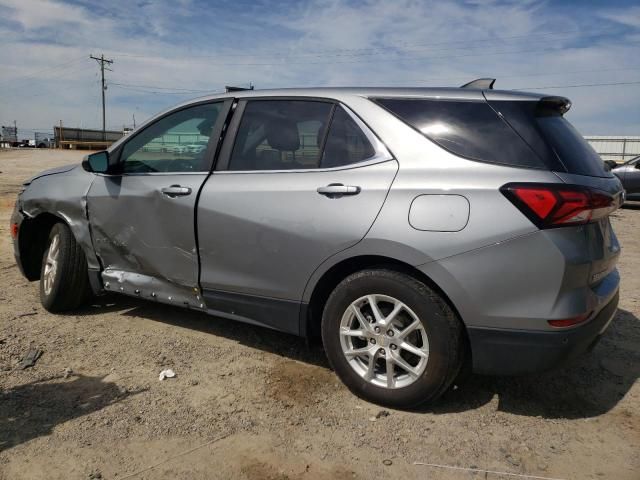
175, 143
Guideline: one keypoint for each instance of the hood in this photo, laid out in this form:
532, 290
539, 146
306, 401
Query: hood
51, 171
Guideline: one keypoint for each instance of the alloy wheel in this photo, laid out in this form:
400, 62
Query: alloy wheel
384, 341
51, 265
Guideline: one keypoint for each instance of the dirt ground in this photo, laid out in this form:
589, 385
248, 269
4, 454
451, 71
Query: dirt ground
248, 403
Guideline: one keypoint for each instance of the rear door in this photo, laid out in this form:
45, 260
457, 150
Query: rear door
298, 181
143, 215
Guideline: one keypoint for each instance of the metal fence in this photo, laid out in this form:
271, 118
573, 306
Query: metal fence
617, 148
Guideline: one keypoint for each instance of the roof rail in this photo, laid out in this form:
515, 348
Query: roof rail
230, 88
481, 83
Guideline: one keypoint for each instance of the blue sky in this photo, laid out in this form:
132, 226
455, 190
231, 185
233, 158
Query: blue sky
166, 52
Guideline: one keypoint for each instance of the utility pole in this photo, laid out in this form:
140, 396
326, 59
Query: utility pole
15, 130
101, 61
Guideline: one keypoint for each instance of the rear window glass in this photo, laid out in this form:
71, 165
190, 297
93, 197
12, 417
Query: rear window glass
552, 137
471, 129
346, 143
573, 150
280, 135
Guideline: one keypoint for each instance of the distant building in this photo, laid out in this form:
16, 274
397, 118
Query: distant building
83, 138
9, 136
616, 148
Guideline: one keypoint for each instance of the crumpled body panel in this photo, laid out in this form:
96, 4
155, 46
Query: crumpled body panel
63, 193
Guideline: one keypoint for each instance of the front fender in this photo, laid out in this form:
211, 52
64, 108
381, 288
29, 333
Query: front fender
63, 195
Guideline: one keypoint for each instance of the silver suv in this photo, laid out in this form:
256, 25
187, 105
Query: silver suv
415, 230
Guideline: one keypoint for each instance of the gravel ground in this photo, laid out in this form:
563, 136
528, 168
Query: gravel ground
248, 403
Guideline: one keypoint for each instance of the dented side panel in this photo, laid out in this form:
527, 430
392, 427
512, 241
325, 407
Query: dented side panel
137, 228
64, 195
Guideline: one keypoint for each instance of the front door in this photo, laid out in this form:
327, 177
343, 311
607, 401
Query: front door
143, 217
300, 181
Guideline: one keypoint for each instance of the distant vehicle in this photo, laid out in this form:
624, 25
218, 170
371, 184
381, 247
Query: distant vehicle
419, 231
45, 142
197, 147
180, 149
629, 175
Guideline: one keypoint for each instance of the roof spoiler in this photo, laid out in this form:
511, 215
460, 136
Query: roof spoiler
551, 105
481, 83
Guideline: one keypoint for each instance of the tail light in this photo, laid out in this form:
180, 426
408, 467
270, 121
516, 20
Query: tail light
14, 230
558, 205
569, 322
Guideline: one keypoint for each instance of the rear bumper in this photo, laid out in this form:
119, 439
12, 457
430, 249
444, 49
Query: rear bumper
515, 352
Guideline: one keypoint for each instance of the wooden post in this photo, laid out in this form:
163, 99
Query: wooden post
60, 136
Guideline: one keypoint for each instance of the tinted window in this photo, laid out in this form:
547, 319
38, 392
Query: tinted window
346, 143
280, 135
467, 128
574, 151
552, 137
175, 143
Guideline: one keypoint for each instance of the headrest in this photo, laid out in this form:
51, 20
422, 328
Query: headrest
282, 134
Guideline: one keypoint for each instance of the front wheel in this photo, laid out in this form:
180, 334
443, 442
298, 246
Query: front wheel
64, 281
391, 339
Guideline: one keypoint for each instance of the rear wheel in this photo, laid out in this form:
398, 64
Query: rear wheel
391, 339
64, 281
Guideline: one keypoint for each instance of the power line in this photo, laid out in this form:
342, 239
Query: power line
393, 60
372, 50
163, 92
37, 73
179, 90
321, 53
538, 74
48, 78
190, 90
578, 86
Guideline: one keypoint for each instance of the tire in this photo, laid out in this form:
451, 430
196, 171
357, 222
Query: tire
424, 324
64, 280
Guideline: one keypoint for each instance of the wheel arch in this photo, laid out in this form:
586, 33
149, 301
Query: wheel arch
32, 242
336, 273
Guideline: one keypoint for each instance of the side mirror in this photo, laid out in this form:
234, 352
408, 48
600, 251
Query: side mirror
96, 162
638, 165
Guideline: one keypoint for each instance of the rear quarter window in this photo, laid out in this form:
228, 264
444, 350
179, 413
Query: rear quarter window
552, 137
470, 129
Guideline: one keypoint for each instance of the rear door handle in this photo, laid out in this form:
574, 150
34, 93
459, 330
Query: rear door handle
175, 191
337, 190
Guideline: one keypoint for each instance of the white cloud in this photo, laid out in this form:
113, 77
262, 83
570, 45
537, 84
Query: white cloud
34, 14
322, 42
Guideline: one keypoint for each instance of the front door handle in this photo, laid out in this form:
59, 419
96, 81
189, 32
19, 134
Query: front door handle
337, 190
176, 191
